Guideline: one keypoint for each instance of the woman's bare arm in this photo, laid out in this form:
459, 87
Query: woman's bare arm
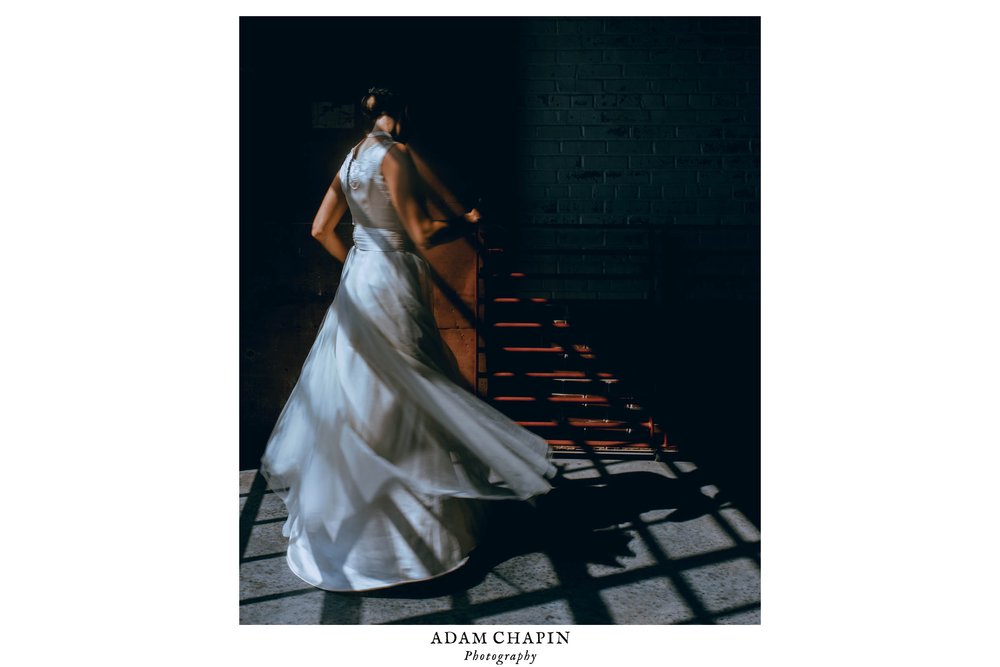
434, 193
404, 183
443, 198
329, 214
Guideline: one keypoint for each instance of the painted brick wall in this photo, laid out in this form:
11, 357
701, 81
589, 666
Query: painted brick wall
641, 136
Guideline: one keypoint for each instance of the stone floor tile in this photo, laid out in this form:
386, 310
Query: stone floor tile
726, 585
649, 601
556, 612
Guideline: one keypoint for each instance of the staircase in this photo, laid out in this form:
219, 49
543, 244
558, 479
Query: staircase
535, 367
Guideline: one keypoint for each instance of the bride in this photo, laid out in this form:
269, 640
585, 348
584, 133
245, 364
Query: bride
381, 459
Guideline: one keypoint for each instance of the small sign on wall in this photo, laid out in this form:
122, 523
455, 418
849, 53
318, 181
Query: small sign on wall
331, 116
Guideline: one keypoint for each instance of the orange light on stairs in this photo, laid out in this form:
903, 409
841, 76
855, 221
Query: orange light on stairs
577, 399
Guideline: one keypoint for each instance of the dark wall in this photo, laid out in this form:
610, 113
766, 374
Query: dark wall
461, 79
642, 134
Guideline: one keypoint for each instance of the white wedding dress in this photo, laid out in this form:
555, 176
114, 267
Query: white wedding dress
381, 459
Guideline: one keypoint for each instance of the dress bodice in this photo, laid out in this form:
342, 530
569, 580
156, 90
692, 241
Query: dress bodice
376, 223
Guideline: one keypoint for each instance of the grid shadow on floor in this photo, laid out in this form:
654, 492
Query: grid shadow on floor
615, 542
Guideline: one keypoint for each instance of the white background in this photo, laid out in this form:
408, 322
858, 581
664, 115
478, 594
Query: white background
119, 261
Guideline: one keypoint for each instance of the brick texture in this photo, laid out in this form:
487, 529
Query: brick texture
642, 135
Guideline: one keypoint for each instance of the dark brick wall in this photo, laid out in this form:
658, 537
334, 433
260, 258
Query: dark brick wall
640, 135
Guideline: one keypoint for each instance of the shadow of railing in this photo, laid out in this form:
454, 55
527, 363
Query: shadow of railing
581, 523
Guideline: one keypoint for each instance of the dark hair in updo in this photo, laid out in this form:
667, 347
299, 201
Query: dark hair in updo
378, 101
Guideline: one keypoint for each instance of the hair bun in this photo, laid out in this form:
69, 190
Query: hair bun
379, 100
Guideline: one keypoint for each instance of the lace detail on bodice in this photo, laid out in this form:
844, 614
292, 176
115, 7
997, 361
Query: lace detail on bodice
365, 188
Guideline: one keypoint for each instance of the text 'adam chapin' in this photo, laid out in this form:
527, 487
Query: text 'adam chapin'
501, 637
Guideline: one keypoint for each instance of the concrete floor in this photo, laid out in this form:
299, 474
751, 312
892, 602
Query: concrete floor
616, 542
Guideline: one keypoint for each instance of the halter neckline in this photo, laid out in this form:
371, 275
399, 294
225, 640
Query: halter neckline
354, 183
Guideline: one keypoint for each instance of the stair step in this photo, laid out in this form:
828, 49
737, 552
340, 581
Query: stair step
584, 399
508, 383
591, 425
636, 435
536, 409
553, 374
596, 443
583, 423
653, 449
549, 349
577, 398
611, 430
554, 324
518, 299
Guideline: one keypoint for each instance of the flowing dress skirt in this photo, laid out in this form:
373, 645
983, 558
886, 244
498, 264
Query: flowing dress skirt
381, 458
